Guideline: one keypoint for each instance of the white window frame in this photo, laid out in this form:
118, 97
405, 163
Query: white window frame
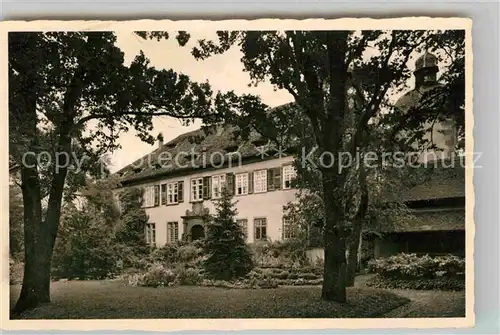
260, 181
289, 173
286, 229
259, 226
241, 181
150, 233
149, 196
172, 193
173, 225
218, 183
197, 189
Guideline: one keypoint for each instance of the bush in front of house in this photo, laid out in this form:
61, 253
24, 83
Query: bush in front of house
158, 275
280, 254
410, 271
414, 266
188, 276
227, 254
442, 284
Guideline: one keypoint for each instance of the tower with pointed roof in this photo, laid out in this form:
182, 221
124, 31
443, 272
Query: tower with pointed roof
442, 133
426, 70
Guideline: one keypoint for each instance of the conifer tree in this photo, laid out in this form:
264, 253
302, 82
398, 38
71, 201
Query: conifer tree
229, 256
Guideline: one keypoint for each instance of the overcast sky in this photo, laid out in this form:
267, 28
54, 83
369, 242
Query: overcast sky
224, 72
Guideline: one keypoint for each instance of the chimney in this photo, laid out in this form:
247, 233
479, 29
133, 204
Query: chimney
160, 140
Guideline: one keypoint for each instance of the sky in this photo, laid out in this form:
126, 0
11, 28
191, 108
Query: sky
224, 73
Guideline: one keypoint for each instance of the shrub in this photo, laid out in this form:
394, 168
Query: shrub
278, 254
188, 253
411, 266
167, 253
158, 275
16, 272
267, 283
444, 284
188, 276
308, 276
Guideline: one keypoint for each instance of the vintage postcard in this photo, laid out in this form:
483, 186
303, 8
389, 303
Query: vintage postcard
239, 174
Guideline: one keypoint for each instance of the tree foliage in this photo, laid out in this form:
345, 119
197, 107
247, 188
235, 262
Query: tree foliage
229, 256
70, 96
341, 82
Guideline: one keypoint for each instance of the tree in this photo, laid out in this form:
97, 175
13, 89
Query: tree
229, 256
319, 69
82, 248
60, 83
130, 230
15, 222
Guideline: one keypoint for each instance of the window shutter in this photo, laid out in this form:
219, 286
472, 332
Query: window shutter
270, 180
164, 194
157, 195
230, 184
250, 182
206, 187
180, 191
277, 178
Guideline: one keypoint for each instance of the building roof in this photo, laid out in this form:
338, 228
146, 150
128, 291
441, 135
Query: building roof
444, 180
425, 61
190, 149
444, 220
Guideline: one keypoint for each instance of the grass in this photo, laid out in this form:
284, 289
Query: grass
429, 304
113, 300
424, 304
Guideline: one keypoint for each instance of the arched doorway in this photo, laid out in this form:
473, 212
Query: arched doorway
197, 232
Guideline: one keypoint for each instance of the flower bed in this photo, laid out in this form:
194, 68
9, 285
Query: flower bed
409, 271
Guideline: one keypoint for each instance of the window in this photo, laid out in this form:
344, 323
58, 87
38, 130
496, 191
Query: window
242, 183
172, 232
150, 233
218, 183
260, 181
149, 196
243, 223
164, 194
289, 230
260, 226
197, 189
172, 193
288, 175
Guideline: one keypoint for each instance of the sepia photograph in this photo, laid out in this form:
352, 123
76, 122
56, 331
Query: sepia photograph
293, 170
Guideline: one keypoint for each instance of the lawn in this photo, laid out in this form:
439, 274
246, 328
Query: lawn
113, 300
424, 304
429, 304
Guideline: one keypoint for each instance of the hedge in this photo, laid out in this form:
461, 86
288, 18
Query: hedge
410, 271
442, 284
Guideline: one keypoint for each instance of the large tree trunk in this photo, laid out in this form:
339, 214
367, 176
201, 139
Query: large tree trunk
353, 254
34, 288
40, 235
334, 274
357, 232
331, 140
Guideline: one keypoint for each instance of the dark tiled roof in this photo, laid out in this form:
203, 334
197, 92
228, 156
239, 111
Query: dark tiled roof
443, 181
221, 140
445, 220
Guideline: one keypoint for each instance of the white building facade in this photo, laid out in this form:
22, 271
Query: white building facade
176, 204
